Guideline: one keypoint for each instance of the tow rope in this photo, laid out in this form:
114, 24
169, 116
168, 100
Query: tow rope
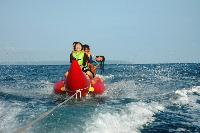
45, 114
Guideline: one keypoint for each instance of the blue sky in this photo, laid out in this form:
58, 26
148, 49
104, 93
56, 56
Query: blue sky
137, 31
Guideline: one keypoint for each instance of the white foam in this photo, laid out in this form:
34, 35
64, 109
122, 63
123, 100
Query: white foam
186, 96
106, 77
46, 88
121, 89
8, 115
132, 118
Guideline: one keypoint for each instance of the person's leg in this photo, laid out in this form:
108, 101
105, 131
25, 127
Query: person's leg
66, 74
89, 73
87, 76
93, 69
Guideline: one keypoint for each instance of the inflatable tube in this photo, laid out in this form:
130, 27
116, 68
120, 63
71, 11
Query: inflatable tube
98, 85
76, 80
59, 87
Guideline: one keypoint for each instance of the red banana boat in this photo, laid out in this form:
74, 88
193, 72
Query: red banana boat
76, 82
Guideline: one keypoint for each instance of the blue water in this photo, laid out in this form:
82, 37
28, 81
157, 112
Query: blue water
138, 98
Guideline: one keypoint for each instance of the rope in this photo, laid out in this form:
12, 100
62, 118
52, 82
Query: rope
20, 130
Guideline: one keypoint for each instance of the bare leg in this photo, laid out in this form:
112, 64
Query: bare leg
89, 74
87, 77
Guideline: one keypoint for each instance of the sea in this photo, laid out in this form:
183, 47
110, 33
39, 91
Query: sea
139, 98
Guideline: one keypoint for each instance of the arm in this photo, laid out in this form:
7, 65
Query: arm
85, 59
90, 59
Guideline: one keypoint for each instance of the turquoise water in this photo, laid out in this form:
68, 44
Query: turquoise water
138, 98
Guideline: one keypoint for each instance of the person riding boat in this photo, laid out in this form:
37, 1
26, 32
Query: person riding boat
79, 55
86, 49
90, 65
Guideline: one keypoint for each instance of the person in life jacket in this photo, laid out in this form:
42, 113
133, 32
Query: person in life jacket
79, 55
92, 68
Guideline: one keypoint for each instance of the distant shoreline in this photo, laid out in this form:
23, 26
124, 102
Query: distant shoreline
114, 62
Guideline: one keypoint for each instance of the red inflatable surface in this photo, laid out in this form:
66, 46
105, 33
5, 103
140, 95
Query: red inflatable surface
59, 87
76, 80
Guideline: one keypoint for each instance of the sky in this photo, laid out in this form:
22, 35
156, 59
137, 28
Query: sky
133, 31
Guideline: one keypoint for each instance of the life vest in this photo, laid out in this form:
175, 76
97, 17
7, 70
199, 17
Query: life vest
79, 57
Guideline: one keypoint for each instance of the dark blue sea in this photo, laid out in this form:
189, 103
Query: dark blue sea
145, 98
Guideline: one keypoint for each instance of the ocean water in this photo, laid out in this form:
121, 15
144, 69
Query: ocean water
138, 98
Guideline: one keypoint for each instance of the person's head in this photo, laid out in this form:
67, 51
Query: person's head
86, 48
77, 46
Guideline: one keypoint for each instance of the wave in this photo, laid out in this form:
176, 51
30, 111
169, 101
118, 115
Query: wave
38, 89
111, 76
132, 118
120, 116
186, 96
8, 114
46, 87
122, 89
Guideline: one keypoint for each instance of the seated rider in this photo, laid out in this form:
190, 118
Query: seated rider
81, 57
86, 49
92, 68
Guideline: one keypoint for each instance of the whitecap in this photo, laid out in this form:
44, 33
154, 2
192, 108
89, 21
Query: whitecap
8, 114
106, 77
186, 96
132, 118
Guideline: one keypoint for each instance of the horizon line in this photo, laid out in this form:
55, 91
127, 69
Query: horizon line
68, 63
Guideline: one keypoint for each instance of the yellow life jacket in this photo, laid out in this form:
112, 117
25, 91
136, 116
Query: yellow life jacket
79, 57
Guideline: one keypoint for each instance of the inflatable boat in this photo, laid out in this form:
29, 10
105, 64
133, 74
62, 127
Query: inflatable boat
76, 82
